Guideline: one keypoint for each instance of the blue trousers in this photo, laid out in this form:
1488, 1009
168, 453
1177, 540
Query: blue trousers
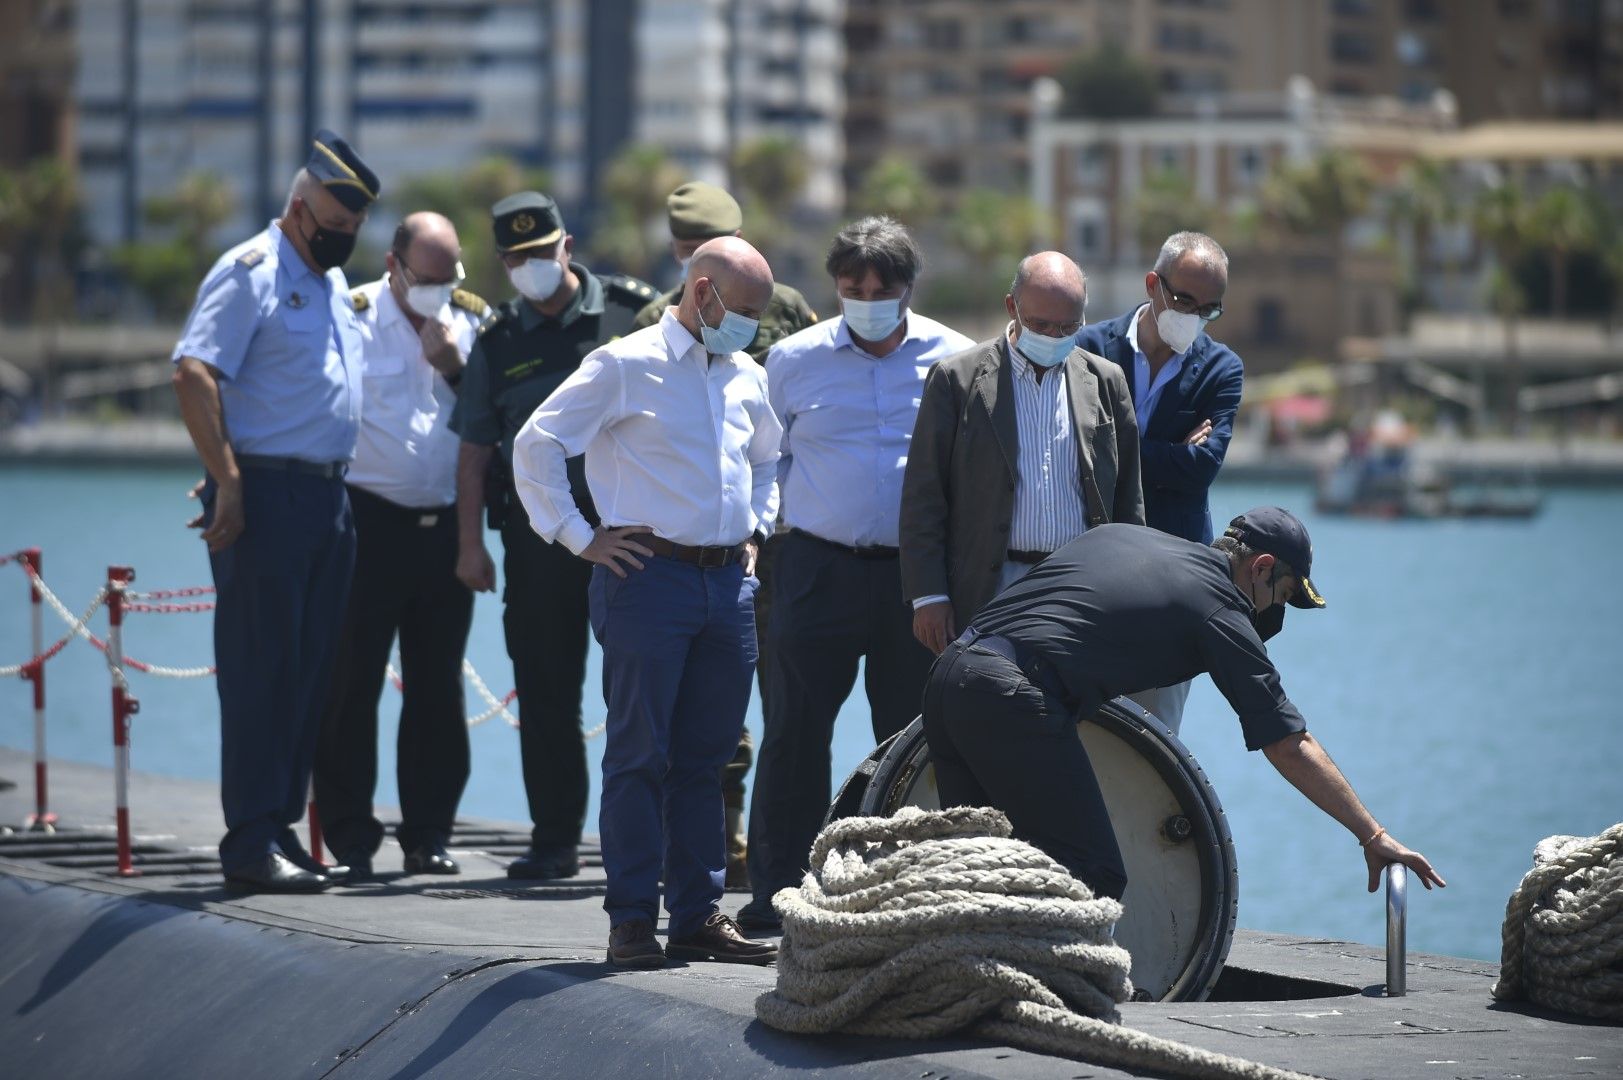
282, 588
679, 655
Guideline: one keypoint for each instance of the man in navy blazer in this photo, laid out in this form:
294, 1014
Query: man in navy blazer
1186, 390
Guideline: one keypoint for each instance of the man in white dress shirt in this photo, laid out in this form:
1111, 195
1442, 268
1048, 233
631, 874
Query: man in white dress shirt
847, 392
681, 458
416, 329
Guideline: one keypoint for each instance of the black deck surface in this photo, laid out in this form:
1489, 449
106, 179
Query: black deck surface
475, 976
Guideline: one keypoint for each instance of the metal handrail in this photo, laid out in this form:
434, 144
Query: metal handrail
1397, 917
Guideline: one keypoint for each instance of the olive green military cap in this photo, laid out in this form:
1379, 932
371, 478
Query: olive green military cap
700, 211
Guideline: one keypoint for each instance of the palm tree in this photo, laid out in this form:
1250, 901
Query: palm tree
769, 174
632, 232
1423, 203
1167, 203
1320, 196
1562, 223
1503, 224
895, 186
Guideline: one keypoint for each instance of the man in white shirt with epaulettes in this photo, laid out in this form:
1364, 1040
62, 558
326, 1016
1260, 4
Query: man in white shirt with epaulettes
681, 453
416, 327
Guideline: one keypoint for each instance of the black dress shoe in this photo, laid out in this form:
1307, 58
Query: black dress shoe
304, 861
632, 944
720, 939
545, 864
759, 915
430, 858
357, 867
275, 873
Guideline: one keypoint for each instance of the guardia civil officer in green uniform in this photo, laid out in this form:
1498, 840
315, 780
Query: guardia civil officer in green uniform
698, 212
535, 340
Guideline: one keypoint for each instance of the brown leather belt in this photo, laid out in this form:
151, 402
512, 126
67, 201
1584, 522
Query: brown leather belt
707, 558
1030, 558
871, 551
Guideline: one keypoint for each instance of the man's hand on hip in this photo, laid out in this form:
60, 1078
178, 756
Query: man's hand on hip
932, 625
610, 547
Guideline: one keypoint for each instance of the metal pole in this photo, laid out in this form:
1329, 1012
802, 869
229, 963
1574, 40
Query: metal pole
1397, 917
42, 819
124, 707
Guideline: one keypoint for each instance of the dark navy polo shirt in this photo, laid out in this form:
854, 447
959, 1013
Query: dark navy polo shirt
1124, 608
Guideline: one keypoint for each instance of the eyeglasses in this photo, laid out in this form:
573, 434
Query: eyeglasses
1188, 305
412, 277
1052, 329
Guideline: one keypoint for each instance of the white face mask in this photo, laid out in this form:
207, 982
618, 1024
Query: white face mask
873, 320
1178, 330
536, 279
427, 300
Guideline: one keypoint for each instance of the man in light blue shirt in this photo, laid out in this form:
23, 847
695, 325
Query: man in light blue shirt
847, 391
268, 373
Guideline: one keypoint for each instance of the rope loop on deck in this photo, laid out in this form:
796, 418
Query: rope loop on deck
932, 923
1563, 933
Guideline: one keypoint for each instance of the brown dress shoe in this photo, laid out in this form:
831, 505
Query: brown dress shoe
632, 945
720, 939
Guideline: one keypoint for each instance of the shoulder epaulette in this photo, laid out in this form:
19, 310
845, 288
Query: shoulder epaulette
251, 258
468, 301
359, 300
639, 291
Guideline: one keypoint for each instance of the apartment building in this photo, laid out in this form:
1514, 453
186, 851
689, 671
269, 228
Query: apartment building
235, 87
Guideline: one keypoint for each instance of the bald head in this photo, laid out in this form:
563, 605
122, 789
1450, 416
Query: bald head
428, 244
726, 272
1049, 294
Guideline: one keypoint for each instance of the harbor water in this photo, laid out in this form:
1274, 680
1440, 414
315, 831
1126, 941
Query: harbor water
1465, 676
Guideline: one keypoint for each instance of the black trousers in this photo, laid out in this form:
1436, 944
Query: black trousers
545, 616
997, 740
281, 593
830, 609
405, 583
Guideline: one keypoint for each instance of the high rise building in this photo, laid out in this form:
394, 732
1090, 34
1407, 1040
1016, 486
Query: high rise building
36, 79
945, 83
236, 87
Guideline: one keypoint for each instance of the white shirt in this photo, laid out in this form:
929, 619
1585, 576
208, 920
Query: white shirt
674, 440
848, 417
1049, 507
1147, 392
406, 453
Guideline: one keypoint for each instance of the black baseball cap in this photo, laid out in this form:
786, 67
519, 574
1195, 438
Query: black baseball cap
1275, 531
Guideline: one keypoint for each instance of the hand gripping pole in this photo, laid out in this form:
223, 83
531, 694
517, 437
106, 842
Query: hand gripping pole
124, 707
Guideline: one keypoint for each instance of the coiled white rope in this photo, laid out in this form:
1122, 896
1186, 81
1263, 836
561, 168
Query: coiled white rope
1563, 932
926, 924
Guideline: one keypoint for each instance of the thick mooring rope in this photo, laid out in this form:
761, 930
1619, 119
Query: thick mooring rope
1563, 936
928, 924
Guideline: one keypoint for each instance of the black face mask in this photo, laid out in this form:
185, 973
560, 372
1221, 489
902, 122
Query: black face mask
1270, 622
328, 247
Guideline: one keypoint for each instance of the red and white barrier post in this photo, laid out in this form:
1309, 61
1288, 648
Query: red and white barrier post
42, 820
315, 826
124, 707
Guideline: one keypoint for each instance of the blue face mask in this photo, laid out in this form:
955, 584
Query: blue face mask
1042, 350
733, 334
872, 320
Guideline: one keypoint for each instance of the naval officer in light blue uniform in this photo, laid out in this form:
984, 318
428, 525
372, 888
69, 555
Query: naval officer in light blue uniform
268, 373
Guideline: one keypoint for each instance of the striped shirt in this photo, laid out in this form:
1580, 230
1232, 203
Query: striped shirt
1049, 507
